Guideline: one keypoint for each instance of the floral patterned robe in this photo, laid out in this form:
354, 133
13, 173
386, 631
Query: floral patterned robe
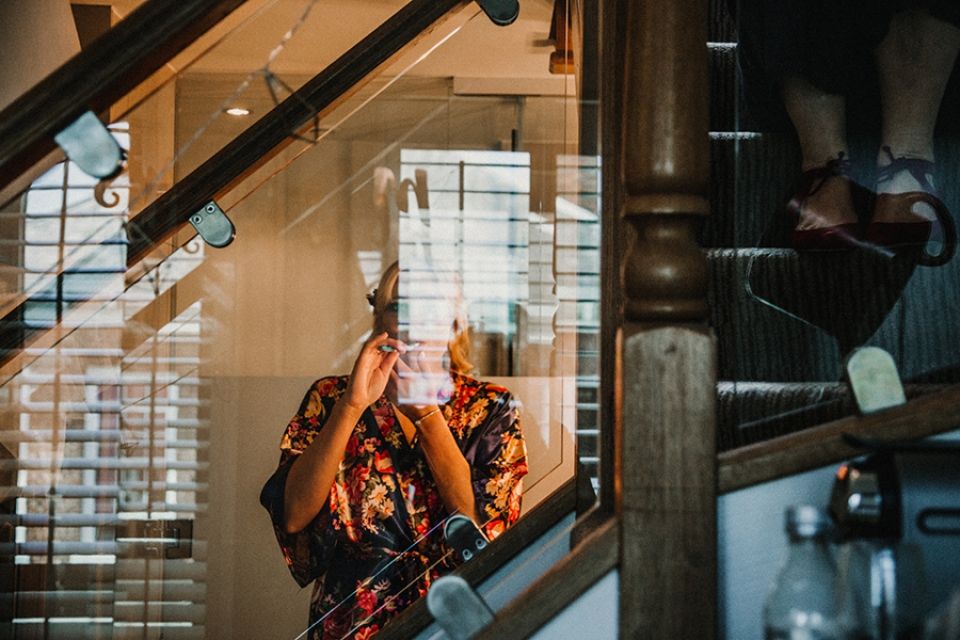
378, 544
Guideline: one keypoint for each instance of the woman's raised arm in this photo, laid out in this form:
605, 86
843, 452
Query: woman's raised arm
313, 472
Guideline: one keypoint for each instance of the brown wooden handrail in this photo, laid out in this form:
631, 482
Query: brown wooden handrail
101, 74
507, 546
818, 447
269, 135
810, 449
813, 448
539, 603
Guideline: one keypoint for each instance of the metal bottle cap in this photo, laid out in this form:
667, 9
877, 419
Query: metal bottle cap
807, 521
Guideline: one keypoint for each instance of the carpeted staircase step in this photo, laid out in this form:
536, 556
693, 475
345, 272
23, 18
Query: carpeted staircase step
751, 179
750, 412
784, 316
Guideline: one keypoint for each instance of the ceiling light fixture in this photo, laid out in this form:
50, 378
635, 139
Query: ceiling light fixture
238, 111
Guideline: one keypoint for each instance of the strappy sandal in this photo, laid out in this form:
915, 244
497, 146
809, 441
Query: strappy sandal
839, 236
907, 233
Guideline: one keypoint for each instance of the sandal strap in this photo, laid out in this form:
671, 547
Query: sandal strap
921, 170
812, 179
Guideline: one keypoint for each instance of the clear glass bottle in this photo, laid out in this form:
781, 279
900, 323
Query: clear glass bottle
802, 603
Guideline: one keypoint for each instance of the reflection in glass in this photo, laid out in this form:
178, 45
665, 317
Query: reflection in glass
151, 398
475, 222
106, 440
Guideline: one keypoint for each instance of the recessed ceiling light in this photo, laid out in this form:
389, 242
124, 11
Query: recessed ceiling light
238, 111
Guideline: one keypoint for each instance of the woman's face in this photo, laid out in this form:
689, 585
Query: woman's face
417, 318
390, 320
422, 327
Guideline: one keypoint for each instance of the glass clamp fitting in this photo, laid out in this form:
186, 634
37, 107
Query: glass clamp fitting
89, 144
213, 225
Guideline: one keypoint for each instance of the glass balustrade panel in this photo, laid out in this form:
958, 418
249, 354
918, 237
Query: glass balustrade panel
254, 59
145, 405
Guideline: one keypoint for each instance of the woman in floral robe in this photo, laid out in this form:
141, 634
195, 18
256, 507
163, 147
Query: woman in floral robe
369, 472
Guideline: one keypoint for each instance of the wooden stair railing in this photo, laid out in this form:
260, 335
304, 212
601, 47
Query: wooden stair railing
737, 469
596, 556
662, 539
666, 410
510, 544
100, 75
820, 446
658, 469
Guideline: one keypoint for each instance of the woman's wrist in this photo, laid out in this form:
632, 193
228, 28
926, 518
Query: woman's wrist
427, 413
351, 410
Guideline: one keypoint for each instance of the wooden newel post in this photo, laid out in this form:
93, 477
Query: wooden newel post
666, 451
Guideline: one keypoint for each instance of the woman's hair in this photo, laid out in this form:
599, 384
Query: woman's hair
450, 289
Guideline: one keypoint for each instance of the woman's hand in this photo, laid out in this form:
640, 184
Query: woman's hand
371, 371
313, 472
417, 379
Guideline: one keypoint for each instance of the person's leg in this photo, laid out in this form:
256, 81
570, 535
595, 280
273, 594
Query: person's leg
914, 62
819, 119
